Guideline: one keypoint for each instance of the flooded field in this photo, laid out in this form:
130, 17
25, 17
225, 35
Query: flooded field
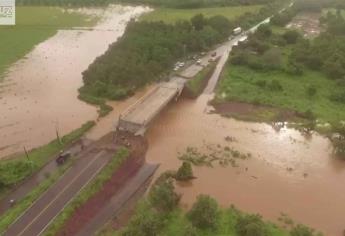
286, 174
39, 94
306, 22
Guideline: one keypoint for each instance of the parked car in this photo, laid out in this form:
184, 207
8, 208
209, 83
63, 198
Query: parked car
63, 157
198, 62
214, 54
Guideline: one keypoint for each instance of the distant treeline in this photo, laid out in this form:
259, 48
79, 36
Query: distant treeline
148, 50
163, 3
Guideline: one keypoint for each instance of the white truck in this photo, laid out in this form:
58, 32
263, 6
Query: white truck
237, 31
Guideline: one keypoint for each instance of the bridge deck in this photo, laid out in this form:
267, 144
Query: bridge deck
147, 108
142, 112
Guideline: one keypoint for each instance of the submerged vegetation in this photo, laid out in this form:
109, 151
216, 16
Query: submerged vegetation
34, 25
223, 156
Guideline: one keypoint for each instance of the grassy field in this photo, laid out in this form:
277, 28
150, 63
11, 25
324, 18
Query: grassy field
172, 15
34, 25
241, 84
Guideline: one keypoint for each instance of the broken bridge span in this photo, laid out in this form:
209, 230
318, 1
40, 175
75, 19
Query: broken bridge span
138, 116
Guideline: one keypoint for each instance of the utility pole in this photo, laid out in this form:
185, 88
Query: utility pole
57, 132
26, 154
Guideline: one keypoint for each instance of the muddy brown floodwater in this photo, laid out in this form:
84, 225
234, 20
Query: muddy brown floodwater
41, 89
312, 192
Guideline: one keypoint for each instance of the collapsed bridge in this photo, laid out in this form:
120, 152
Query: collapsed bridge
138, 116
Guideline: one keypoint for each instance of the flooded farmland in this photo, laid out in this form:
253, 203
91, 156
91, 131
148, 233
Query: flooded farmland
286, 174
39, 94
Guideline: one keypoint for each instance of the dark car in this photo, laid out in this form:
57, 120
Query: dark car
62, 158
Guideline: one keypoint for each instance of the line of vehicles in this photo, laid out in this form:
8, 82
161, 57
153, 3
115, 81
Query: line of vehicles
237, 31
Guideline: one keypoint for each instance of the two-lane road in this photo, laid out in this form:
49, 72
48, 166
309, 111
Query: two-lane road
36, 219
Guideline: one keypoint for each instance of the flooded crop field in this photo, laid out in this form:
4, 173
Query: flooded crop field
39, 94
284, 172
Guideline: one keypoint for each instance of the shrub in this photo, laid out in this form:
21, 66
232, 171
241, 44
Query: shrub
185, 172
272, 58
163, 196
294, 68
275, 85
240, 58
251, 225
338, 97
261, 83
308, 114
311, 91
264, 31
190, 230
13, 172
204, 212
301, 230
291, 36
146, 222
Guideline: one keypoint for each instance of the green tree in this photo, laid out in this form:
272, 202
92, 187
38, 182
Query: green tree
204, 212
301, 230
291, 36
221, 24
251, 225
185, 172
198, 21
264, 31
146, 222
163, 196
